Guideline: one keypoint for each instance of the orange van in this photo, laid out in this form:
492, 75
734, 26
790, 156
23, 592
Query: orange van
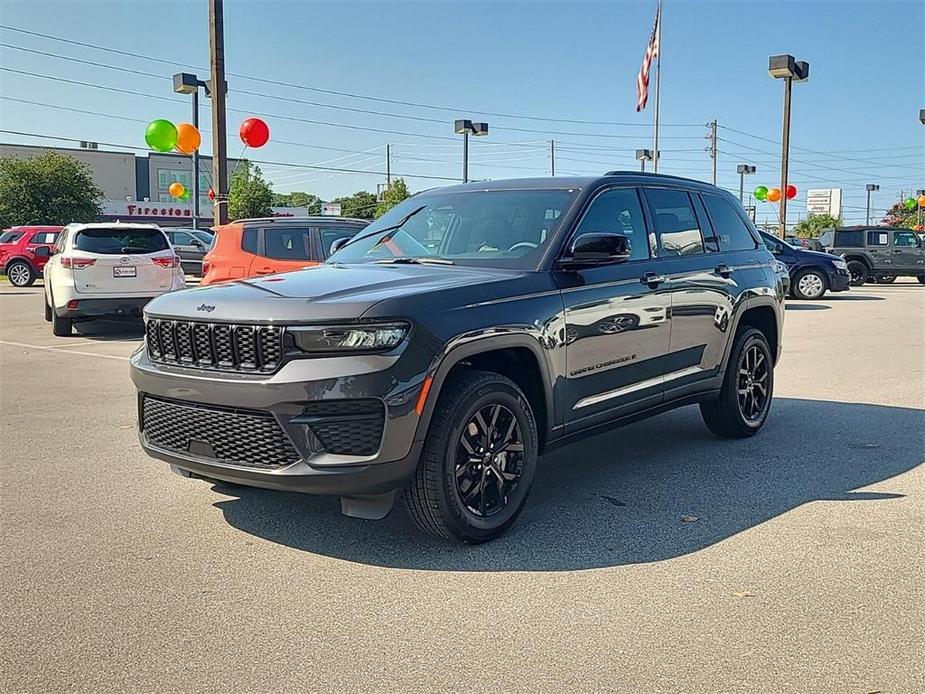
252, 247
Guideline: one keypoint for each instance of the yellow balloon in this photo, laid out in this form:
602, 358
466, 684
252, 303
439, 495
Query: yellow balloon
921, 201
177, 189
774, 194
188, 138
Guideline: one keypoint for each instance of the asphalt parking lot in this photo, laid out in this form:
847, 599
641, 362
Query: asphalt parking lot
655, 558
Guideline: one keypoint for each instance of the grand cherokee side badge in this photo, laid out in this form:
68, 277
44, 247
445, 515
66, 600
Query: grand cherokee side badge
205, 307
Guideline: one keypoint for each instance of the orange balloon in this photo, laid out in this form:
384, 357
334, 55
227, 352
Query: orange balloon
177, 189
921, 201
774, 194
188, 138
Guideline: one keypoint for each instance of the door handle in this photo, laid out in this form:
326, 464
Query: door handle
264, 271
722, 270
653, 279
897, 251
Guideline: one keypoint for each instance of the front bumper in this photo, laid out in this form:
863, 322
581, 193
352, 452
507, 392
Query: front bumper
839, 280
287, 396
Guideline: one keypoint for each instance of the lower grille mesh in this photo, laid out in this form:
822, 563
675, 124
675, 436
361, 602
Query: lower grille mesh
235, 437
347, 427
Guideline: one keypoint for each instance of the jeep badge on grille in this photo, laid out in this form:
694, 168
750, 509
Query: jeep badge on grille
205, 307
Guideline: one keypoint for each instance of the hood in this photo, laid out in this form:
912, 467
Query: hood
817, 255
326, 292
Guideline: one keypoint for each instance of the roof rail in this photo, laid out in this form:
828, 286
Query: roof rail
652, 174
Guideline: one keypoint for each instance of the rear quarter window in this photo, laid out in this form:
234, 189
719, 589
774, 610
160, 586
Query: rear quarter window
249, 241
120, 241
849, 239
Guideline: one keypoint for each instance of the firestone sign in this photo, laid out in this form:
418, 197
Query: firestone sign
135, 208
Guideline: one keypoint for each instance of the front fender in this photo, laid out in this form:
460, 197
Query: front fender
470, 344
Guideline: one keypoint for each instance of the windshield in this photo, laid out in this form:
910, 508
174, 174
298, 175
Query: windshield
204, 236
490, 228
117, 241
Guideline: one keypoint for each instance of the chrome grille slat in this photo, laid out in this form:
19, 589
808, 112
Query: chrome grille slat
219, 346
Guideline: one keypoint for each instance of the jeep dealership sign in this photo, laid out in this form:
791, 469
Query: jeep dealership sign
824, 201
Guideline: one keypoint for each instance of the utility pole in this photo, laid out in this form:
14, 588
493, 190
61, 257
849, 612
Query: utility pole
388, 166
785, 157
712, 138
552, 157
219, 91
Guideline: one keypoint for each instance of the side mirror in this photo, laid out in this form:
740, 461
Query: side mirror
598, 248
337, 245
778, 249
42, 250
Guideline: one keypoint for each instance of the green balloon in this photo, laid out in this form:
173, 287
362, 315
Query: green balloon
761, 193
186, 195
161, 135
909, 203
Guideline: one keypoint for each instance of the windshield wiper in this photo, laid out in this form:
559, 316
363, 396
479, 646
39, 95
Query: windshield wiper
410, 260
386, 232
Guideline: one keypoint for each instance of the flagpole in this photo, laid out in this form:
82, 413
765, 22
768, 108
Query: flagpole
658, 89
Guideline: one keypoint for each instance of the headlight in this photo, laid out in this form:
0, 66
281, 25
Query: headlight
840, 264
782, 267
349, 338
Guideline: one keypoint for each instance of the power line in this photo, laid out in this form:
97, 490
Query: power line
336, 92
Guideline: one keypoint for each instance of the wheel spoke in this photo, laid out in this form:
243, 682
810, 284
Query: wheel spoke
465, 444
482, 489
482, 426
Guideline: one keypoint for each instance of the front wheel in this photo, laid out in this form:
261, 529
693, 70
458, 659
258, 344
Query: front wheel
478, 462
809, 284
745, 397
20, 274
858, 271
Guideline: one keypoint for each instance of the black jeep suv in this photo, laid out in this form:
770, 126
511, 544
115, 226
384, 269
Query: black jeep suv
469, 329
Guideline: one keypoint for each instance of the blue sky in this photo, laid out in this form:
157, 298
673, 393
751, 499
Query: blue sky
559, 60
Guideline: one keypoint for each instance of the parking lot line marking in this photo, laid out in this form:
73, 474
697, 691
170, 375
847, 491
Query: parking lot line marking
53, 350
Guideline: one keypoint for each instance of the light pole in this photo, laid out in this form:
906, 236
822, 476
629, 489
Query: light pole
744, 170
918, 209
787, 68
871, 187
643, 155
467, 128
185, 83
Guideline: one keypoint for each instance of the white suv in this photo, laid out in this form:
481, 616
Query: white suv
98, 270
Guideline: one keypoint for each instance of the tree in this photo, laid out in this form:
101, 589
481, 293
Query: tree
298, 199
361, 204
397, 192
249, 195
49, 189
901, 217
812, 226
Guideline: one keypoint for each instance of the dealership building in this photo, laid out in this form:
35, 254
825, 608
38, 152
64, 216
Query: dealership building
135, 187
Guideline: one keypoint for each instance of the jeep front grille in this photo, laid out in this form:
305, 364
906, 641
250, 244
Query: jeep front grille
232, 436
214, 345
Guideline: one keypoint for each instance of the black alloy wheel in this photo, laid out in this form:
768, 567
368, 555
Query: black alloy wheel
489, 460
752, 388
858, 271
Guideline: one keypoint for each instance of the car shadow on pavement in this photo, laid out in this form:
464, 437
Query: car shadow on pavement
111, 329
855, 297
651, 491
789, 306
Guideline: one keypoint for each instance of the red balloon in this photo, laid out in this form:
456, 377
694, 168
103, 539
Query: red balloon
791, 192
211, 195
255, 132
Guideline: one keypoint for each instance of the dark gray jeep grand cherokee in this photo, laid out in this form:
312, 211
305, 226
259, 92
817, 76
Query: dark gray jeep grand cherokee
461, 335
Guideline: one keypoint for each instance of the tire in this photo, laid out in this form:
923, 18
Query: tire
724, 416
886, 279
859, 272
47, 308
450, 499
810, 284
921, 279
20, 274
60, 327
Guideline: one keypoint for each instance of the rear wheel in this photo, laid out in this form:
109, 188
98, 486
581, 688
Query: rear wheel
61, 327
20, 273
478, 462
921, 279
809, 284
47, 308
858, 271
886, 279
745, 398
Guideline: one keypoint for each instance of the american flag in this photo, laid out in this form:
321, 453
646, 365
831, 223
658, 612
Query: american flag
642, 79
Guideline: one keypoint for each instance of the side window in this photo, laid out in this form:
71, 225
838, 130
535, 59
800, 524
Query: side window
878, 238
287, 243
50, 238
329, 236
249, 241
849, 239
729, 227
60, 243
182, 239
905, 239
676, 224
618, 211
